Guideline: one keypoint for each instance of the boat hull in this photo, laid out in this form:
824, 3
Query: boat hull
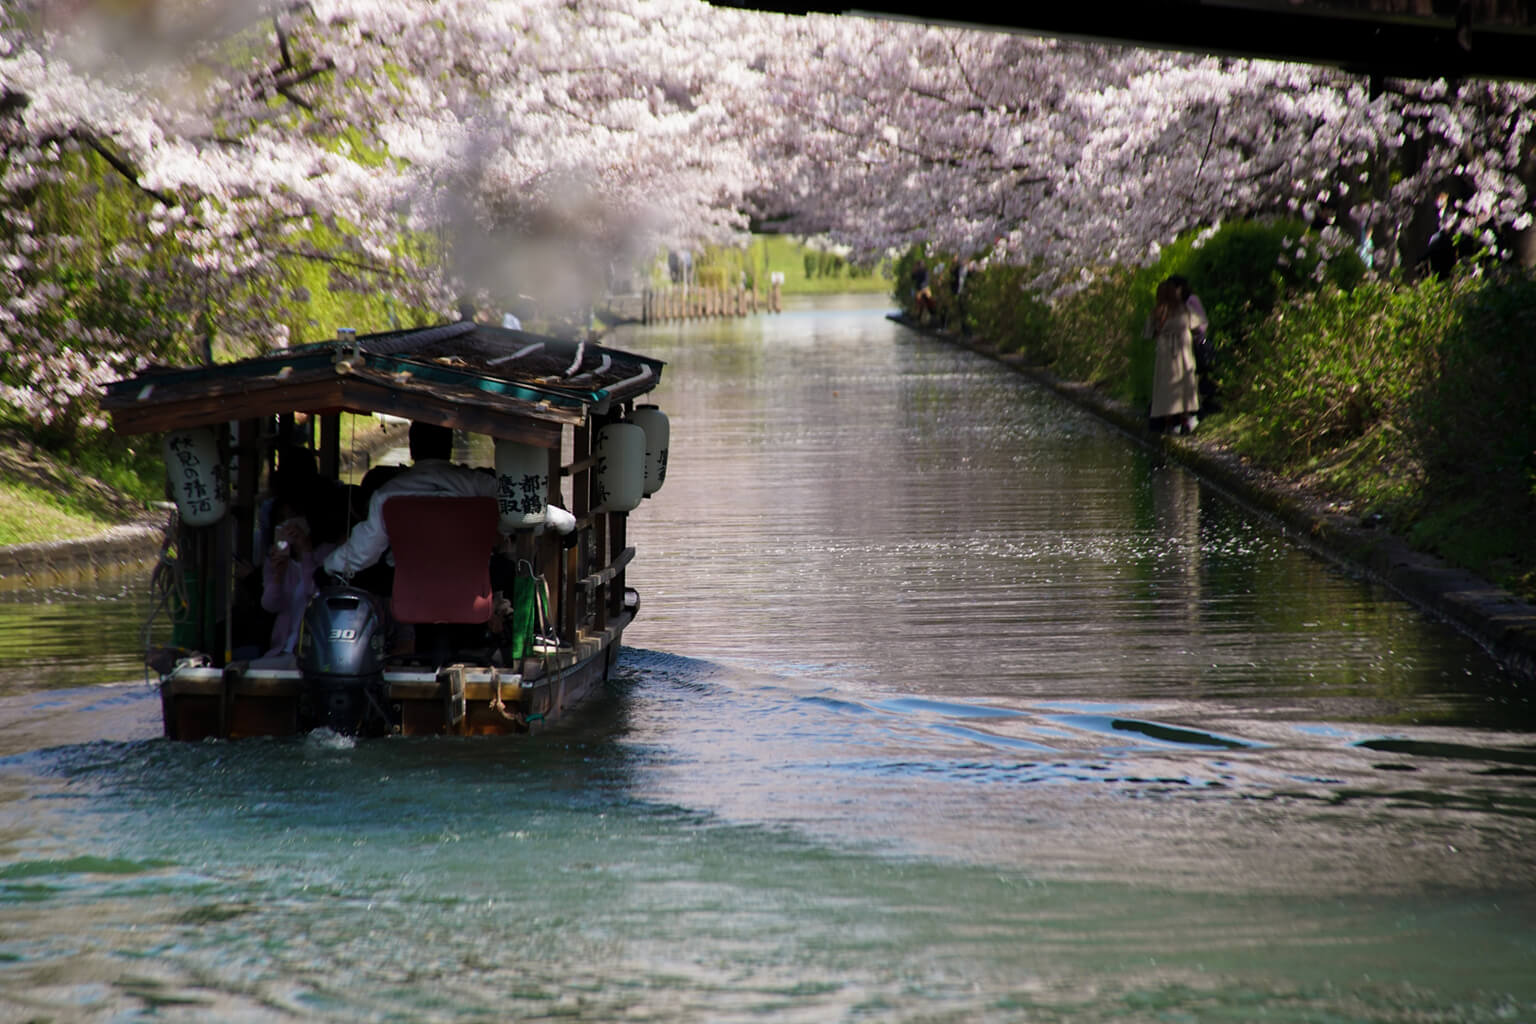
459, 699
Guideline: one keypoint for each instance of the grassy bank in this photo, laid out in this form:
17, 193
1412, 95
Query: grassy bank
31, 514
44, 496
1412, 404
47, 496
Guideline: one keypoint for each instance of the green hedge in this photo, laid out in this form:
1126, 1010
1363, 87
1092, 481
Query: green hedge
1478, 408
1323, 369
1413, 400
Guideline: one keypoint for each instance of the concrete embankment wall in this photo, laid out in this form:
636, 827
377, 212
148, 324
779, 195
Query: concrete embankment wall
114, 552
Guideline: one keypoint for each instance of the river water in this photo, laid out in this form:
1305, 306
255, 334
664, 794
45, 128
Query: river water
947, 702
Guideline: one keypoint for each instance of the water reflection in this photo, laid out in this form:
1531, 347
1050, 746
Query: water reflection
946, 703
74, 635
1172, 571
849, 497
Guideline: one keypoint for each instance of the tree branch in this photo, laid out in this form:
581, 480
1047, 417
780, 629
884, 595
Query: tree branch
1209, 139
340, 261
122, 167
954, 52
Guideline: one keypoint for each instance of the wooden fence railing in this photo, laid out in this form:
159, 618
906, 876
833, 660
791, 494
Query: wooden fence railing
658, 305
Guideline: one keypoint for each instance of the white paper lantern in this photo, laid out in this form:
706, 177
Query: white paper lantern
522, 484
620, 468
198, 478
658, 434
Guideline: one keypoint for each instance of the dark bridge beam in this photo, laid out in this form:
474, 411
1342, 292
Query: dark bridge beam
1470, 39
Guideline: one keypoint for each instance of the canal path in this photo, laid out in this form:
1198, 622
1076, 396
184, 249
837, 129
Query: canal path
947, 703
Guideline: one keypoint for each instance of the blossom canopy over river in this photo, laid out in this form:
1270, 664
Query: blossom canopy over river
436, 149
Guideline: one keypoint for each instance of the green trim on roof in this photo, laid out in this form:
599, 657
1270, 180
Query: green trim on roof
490, 385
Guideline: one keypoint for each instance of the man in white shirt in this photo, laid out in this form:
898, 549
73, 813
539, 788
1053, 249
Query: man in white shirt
430, 472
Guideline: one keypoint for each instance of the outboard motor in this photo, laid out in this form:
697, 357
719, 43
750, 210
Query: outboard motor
341, 656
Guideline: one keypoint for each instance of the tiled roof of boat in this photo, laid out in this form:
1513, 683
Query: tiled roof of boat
492, 376
508, 355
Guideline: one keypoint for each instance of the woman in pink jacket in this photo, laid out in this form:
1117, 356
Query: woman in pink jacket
288, 577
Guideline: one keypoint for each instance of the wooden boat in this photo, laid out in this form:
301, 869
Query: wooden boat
559, 414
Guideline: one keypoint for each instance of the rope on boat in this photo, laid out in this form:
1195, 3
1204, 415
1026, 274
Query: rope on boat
541, 611
525, 350
497, 704
168, 587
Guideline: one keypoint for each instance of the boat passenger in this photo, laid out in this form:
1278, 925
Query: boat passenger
430, 473
375, 478
288, 582
296, 491
295, 483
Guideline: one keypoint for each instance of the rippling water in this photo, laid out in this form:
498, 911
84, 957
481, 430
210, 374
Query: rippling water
947, 703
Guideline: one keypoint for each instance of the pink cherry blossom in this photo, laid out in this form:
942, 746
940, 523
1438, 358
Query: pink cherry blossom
496, 148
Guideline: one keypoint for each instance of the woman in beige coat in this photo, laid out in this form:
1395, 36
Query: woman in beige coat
1175, 391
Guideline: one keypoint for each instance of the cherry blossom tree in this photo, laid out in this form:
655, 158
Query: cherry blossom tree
1070, 156
159, 186
545, 138
526, 142
214, 173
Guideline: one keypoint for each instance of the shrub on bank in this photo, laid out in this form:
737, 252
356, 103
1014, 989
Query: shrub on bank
1477, 408
996, 304
1095, 335
1246, 267
1324, 369
1417, 400
1412, 400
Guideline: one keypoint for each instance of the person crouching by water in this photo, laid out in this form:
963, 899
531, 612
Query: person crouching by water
1175, 387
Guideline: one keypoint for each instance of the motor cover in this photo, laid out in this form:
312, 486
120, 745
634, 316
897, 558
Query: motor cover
341, 656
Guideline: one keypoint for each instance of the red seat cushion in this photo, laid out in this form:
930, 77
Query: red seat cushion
442, 552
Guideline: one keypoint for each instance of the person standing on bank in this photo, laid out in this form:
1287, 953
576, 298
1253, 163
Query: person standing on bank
1205, 350
1175, 388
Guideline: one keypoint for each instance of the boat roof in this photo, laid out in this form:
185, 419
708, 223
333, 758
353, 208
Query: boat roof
476, 377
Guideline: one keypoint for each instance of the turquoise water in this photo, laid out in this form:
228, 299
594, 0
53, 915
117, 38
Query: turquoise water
947, 703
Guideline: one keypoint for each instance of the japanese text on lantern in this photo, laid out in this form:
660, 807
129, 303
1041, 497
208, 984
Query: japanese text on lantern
200, 486
521, 495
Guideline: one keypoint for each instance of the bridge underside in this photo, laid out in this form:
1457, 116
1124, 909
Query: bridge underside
1430, 39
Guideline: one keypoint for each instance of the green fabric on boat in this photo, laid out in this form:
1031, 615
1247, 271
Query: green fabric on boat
524, 615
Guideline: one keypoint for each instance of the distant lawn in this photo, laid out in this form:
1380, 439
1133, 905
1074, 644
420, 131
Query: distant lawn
786, 254
806, 270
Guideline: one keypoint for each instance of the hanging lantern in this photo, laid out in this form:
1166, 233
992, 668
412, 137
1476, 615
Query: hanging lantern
658, 434
197, 475
522, 484
620, 467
